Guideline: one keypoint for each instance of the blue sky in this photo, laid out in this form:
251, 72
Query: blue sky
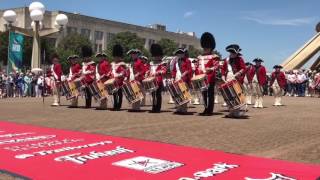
271, 29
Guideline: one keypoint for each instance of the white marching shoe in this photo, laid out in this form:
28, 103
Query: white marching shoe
277, 101
55, 101
248, 100
171, 100
196, 101
256, 103
260, 105
216, 101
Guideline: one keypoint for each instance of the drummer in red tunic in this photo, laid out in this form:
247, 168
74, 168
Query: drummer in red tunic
158, 70
234, 68
182, 69
103, 73
208, 44
139, 71
121, 73
258, 79
74, 73
278, 84
88, 71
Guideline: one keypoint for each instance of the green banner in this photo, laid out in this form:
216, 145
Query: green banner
15, 52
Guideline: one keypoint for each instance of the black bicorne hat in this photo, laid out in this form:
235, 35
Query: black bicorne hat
180, 51
156, 50
133, 51
277, 66
235, 48
144, 58
248, 63
207, 41
98, 55
117, 51
86, 51
257, 60
70, 57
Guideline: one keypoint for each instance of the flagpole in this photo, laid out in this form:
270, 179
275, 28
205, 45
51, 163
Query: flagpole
44, 76
8, 56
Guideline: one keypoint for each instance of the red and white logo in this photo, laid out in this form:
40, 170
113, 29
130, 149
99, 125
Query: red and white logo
147, 164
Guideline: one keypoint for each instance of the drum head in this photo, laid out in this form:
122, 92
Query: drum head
149, 79
110, 81
198, 77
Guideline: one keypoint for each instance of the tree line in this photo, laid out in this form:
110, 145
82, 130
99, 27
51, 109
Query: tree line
72, 44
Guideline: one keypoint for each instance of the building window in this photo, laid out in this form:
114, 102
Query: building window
110, 36
98, 47
86, 33
71, 30
98, 35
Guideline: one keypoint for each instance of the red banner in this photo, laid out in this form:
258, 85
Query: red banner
45, 154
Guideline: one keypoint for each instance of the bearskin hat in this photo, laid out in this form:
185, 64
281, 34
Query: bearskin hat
156, 50
117, 51
207, 41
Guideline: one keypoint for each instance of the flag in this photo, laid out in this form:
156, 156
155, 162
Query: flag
15, 52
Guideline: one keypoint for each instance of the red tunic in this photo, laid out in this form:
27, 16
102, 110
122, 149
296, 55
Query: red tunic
159, 76
247, 73
124, 71
57, 72
237, 64
184, 67
88, 69
211, 75
147, 67
280, 77
74, 71
139, 67
260, 73
104, 69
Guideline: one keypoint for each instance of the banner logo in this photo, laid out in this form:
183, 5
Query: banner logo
147, 164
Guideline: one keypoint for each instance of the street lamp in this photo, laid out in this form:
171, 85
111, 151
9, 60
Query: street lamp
10, 16
37, 11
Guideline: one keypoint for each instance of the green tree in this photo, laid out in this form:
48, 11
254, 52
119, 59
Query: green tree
193, 52
168, 46
70, 45
128, 40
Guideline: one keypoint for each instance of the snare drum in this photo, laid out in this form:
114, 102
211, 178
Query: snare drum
150, 84
233, 94
132, 91
199, 82
77, 86
98, 91
179, 92
111, 86
66, 91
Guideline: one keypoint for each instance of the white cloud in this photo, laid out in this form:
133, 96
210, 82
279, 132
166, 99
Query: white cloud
188, 14
275, 17
281, 21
